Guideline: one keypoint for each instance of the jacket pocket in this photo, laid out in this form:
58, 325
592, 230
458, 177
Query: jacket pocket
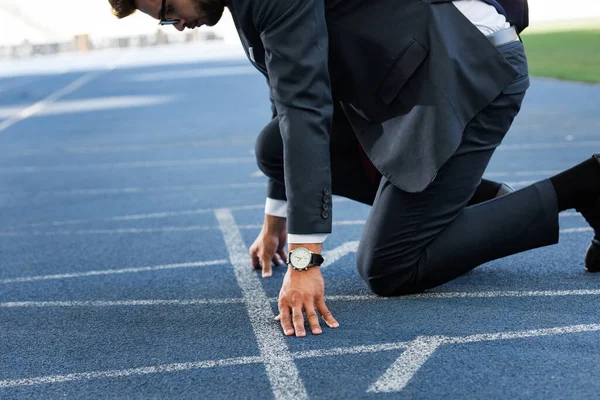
410, 58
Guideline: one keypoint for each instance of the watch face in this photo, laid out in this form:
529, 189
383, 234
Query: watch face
300, 257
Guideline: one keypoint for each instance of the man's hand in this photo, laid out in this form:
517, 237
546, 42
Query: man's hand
303, 291
269, 245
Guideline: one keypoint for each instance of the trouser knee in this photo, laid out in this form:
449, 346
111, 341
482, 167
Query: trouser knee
268, 149
387, 274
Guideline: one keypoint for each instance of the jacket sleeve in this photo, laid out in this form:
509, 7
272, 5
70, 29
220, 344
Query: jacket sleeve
294, 35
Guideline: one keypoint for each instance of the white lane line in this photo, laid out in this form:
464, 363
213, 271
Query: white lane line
40, 105
191, 228
112, 271
83, 376
233, 141
576, 230
195, 73
129, 147
430, 296
342, 351
169, 214
419, 347
561, 330
257, 174
129, 190
544, 146
135, 217
407, 365
94, 104
463, 295
127, 165
540, 173
281, 369
331, 256
412, 359
118, 303
122, 231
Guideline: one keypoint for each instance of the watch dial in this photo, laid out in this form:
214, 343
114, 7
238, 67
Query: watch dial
300, 257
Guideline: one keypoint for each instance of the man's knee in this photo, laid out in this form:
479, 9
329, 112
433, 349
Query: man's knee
385, 274
269, 148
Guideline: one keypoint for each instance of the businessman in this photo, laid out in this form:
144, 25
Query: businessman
399, 104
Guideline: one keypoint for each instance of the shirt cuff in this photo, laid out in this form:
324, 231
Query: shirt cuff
276, 208
315, 238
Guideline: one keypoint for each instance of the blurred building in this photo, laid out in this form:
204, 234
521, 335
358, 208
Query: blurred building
38, 27
34, 27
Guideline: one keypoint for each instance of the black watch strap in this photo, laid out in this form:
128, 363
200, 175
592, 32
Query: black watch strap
316, 259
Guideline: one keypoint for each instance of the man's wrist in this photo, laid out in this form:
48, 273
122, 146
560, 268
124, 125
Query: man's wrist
274, 225
312, 247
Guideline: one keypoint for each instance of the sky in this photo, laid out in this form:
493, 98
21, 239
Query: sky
62, 19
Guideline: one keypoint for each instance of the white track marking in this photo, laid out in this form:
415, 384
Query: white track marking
128, 165
561, 330
228, 142
130, 147
543, 146
397, 376
257, 174
83, 376
331, 256
412, 359
195, 73
451, 295
342, 351
192, 228
463, 295
122, 231
41, 105
112, 271
407, 365
118, 303
576, 230
129, 190
281, 369
94, 104
169, 214
540, 173
134, 217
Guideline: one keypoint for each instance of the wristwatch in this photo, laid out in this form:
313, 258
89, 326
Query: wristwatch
301, 259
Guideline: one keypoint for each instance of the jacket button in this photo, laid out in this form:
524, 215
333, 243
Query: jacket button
326, 191
326, 198
325, 206
325, 214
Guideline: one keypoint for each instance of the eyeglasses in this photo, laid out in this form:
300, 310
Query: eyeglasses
162, 19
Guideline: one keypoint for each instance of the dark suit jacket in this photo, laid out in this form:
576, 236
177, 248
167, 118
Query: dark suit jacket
409, 75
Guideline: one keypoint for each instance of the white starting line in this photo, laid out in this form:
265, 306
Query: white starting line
111, 271
396, 377
366, 297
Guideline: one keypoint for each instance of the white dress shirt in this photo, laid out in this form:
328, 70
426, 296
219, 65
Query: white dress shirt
486, 18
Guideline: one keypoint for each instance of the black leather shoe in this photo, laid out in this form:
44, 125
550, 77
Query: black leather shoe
592, 257
591, 213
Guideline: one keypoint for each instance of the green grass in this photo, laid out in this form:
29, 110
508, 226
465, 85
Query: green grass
571, 55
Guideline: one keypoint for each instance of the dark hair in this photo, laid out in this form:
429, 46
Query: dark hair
123, 8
